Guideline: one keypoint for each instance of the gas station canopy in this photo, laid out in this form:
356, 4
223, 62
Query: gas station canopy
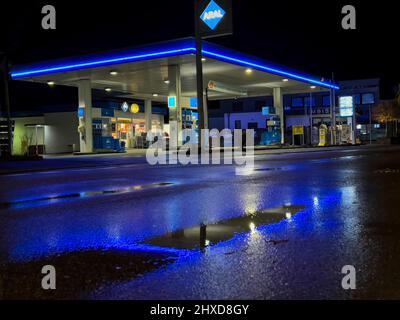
142, 72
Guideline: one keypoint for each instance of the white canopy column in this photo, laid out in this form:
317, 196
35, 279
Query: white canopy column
148, 114
85, 118
278, 105
175, 113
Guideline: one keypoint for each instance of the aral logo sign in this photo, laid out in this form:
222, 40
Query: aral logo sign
125, 107
213, 15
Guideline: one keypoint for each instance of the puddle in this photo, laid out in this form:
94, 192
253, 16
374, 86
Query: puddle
92, 270
77, 272
207, 235
56, 198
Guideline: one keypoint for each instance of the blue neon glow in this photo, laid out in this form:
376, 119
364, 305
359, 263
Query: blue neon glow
100, 63
213, 15
182, 47
267, 69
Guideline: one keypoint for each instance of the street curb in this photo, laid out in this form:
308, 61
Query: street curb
279, 152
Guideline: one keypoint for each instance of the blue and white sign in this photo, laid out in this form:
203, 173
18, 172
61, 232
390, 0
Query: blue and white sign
125, 107
213, 15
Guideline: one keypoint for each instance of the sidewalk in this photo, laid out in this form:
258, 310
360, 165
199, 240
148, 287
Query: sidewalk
60, 162
284, 150
132, 157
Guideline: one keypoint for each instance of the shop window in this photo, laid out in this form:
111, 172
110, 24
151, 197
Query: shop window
213, 105
297, 102
259, 105
368, 98
326, 101
287, 101
307, 101
252, 125
238, 106
357, 99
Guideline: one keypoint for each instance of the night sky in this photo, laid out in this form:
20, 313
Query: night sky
306, 35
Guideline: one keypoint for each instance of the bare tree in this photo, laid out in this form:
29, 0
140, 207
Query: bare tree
387, 111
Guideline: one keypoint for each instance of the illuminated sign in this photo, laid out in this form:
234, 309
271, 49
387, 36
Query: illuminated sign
135, 108
215, 18
213, 15
268, 111
81, 112
298, 130
346, 106
265, 111
172, 102
194, 103
125, 107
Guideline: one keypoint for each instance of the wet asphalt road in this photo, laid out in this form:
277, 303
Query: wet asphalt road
351, 217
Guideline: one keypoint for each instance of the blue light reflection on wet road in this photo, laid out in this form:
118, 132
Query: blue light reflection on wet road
321, 238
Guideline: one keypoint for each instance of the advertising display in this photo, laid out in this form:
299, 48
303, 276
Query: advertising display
346, 106
298, 130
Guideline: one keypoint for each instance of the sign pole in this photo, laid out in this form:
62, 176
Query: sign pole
370, 125
4, 75
333, 110
199, 73
311, 119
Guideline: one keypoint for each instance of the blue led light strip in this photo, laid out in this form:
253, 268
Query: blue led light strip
100, 63
268, 69
167, 53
